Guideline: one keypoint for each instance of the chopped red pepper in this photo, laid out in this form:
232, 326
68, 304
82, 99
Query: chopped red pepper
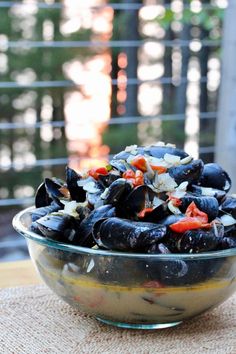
186, 224
159, 169
136, 178
128, 174
193, 211
140, 163
194, 219
96, 171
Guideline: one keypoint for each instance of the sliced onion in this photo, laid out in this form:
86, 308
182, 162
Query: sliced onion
186, 160
172, 159
91, 187
166, 183
228, 220
157, 201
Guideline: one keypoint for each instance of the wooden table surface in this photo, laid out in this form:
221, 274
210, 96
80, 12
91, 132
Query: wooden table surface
18, 274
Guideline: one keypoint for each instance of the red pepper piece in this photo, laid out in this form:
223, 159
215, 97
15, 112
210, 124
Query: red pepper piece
96, 171
193, 211
140, 163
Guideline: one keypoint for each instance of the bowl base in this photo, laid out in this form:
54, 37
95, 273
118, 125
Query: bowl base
139, 325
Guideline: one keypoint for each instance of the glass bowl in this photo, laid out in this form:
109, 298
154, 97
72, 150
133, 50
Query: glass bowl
128, 289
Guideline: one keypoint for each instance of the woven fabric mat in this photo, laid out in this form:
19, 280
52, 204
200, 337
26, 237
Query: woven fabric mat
33, 320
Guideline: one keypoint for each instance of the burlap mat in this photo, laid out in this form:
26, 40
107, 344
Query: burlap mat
33, 320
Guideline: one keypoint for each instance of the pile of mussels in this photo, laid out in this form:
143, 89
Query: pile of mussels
154, 199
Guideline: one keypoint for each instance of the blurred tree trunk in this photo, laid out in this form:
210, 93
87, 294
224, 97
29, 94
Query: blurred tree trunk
226, 122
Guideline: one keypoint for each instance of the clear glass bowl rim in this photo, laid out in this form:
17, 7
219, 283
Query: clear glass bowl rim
24, 231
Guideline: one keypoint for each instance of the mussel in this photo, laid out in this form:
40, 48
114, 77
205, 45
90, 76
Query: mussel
84, 232
117, 192
215, 177
200, 240
126, 235
209, 205
190, 172
58, 227
229, 206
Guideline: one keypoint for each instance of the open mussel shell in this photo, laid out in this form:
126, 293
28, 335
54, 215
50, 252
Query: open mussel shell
208, 205
190, 172
215, 177
126, 235
42, 197
77, 193
56, 190
84, 232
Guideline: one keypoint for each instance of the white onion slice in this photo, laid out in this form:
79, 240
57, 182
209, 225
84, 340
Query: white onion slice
186, 160
228, 220
166, 183
172, 159
91, 187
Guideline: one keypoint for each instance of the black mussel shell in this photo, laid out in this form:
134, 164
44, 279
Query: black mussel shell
42, 198
201, 240
228, 242
40, 212
190, 172
84, 232
117, 192
214, 176
182, 273
207, 191
208, 205
107, 180
127, 235
58, 227
77, 193
229, 206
